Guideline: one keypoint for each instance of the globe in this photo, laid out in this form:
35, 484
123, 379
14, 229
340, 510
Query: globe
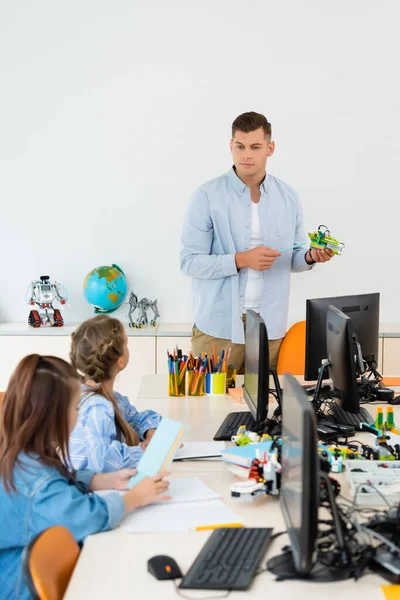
105, 288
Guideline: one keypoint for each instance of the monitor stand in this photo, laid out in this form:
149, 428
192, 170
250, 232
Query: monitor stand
283, 565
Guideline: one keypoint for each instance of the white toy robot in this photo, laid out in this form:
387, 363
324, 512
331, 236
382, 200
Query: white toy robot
42, 294
264, 478
142, 305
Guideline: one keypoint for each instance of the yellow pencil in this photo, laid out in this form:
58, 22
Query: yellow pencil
218, 526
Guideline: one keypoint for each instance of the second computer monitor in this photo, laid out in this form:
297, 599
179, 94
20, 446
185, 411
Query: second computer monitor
342, 351
256, 377
299, 498
364, 312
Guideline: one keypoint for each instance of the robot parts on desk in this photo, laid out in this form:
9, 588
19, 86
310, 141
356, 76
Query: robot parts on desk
322, 239
142, 306
264, 477
43, 294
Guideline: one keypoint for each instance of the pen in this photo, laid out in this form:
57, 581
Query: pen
217, 526
292, 247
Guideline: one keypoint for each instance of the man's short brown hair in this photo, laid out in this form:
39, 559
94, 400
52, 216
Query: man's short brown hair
250, 121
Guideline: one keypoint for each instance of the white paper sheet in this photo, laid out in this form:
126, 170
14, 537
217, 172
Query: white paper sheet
178, 517
200, 450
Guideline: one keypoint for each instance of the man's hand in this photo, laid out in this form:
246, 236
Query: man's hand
259, 259
319, 255
147, 437
117, 480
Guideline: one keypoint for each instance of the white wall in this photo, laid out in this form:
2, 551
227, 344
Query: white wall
111, 113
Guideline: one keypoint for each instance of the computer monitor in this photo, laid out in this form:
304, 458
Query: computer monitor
256, 376
342, 357
299, 493
364, 312
256, 385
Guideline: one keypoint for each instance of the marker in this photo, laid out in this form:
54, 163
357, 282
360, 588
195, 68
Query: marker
292, 247
217, 526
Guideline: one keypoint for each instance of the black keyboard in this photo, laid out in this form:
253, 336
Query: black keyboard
342, 417
231, 424
228, 560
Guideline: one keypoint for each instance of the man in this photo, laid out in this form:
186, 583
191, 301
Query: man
234, 231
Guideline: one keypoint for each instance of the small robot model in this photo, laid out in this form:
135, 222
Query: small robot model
264, 478
43, 294
142, 306
322, 239
335, 454
244, 437
387, 441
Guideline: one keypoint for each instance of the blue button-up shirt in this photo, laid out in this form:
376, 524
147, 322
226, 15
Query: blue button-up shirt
216, 226
94, 444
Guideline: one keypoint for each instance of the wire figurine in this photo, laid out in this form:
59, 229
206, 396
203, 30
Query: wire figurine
142, 306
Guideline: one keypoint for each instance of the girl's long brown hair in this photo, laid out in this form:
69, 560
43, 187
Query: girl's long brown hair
96, 346
34, 414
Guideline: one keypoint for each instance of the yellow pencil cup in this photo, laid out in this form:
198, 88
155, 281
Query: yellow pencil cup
196, 383
216, 384
176, 384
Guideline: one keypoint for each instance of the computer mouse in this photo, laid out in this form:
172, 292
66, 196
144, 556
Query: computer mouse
163, 567
395, 400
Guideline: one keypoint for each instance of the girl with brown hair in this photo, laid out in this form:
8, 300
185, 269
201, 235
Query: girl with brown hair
37, 489
110, 433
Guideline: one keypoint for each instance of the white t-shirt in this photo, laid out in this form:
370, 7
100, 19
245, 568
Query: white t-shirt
255, 279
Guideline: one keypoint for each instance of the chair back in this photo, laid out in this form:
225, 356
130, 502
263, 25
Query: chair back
292, 353
48, 563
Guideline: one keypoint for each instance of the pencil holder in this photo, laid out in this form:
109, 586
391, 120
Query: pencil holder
196, 383
215, 384
176, 384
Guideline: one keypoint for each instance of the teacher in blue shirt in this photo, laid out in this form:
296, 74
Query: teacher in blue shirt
234, 227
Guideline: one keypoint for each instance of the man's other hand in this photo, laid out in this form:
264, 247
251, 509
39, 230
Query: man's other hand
320, 255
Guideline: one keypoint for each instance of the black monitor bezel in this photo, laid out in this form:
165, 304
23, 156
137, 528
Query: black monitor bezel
345, 358
260, 412
303, 546
349, 302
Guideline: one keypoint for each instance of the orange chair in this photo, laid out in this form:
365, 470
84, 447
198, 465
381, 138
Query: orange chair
292, 353
1, 397
48, 563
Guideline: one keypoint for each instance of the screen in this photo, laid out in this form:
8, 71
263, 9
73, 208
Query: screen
256, 376
252, 361
45, 287
341, 353
292, 462
300, 482
364, 312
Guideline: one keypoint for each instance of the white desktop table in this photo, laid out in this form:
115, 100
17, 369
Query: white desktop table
113, 565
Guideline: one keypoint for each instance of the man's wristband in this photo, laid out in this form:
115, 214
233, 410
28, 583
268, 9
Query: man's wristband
310, 258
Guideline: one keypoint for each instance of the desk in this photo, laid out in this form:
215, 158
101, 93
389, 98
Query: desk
113, 565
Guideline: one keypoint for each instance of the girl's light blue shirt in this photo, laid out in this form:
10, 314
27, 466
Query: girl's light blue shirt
94, 443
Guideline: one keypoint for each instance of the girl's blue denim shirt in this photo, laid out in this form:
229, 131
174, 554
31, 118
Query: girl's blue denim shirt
44, 498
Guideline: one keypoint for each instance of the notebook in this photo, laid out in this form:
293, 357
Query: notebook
161, 450
193, 506
200, 450
242, 472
